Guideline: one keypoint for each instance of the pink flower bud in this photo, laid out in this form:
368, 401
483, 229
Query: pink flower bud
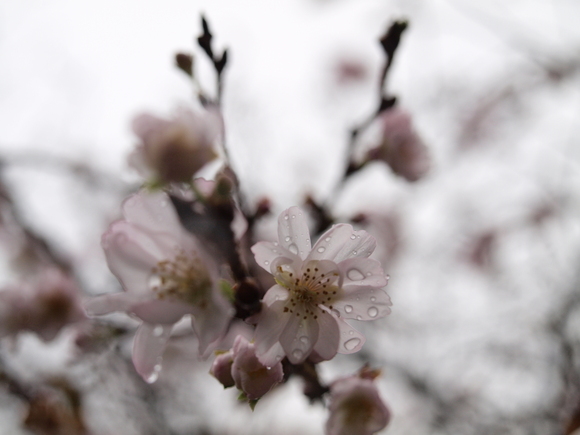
249, 374
356, 408
174, 150
401, 148
221, 369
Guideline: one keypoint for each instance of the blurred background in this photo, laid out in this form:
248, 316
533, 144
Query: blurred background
482, 252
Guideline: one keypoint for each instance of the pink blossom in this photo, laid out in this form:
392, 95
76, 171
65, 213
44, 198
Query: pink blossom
165, 274
401, 148
250, 375
221, 369
356, 408
43, 306
316, 289
174, 150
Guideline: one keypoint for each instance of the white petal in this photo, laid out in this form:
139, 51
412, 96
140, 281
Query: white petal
276, 293
152, 211
160, 311
111, 303
363, 303
210, 322
148, 346
299, 337
326, 346
351, 340
271, 322
266, 252
364, 272
342, 242
293, 232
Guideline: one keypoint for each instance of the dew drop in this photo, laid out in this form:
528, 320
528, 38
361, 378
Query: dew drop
335, 312
351, 332
358, 317
287, 238
327, 239
352, 343
304, 339
158, 331
352, 237
154, 375
297, 353
373, 299
293, 248
276, 244
355, 275
348, 308
354, 252
266, 262
373, 312
286, 217
321, 249
293, 216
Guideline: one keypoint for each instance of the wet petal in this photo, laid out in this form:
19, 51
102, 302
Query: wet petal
363, 303
342, 242
351, 340
326, 346
363, 272
148, 346
152, 211
210, 322
266, 252
276, 293
299, 337
293, 232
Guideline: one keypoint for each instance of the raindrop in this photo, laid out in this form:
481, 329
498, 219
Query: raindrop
358, 317
275, 244
297, 353
266, 262
287, 238
293, 216
154, 375
348, 308
355, 275
293, 248
373, 311
352, 237
304, 339
286, 217
351, 332
354, 252
352, 343
335, 312
321, 249
327, 239
373, 299
158, 331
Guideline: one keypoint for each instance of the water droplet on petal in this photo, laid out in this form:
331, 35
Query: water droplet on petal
327, 239
158, 331
358, 317
266, 262
293, 216
287, 238
353, 252
352, 237
373, 299
335, 312
155, 375
348, 308
351, 332
352, 343
297, 353
321, 249
373, 312
355, 275
293, 248
305, 340
286, 217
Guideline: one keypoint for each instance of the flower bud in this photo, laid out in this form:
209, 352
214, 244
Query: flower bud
221, 369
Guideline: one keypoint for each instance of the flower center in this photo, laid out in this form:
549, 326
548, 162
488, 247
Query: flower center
184, 279
315, 285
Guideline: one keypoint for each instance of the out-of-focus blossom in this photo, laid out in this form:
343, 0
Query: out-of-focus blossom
43, 306
250, 375
356, 408
165, 274
174, 150
221, 369
316, 289
240, 367
401, 148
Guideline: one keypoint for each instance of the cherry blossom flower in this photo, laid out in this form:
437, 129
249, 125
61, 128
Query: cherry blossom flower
401, 148
240, 367
174, 150
303, 314
44, 305
165, 274
356, 408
